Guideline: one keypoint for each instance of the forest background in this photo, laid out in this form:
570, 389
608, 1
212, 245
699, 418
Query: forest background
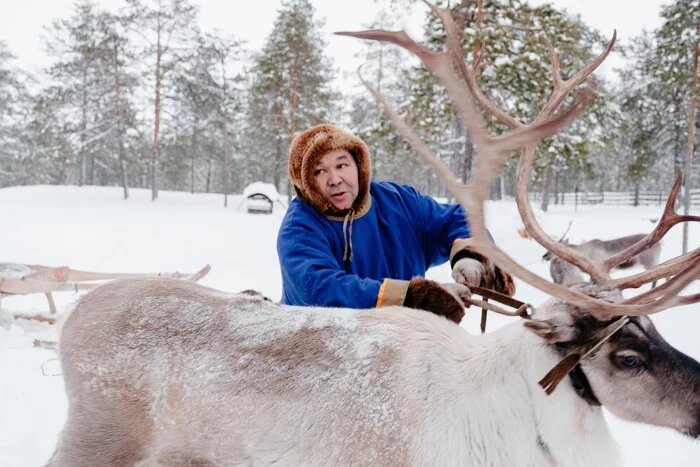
136, 93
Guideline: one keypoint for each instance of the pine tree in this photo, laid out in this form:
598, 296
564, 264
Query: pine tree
675, 68
207, 98
90, 86
382, 67
678, 43
117, 57
516, 75
50, 148
672, 63
638, 130
291, 87
81, 83
13, 103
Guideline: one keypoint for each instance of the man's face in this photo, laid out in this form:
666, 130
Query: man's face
336, 178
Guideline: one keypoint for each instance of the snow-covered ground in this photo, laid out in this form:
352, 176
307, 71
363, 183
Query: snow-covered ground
92, 228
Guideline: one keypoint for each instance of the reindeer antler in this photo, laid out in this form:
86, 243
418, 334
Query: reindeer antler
492, 152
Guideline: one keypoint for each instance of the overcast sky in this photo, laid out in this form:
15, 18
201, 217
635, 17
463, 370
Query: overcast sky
21, 21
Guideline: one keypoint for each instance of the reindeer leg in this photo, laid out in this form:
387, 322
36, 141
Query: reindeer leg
89, 438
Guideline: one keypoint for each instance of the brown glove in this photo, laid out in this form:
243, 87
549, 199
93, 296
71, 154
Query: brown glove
441, 299
468, 266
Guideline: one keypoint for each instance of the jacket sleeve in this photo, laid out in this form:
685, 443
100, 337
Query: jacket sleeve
312, 275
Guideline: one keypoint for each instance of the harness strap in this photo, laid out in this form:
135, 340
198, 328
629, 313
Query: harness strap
582, 386
570, 364
522, 309
567, 364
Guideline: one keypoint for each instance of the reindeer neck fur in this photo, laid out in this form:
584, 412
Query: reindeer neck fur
499, 415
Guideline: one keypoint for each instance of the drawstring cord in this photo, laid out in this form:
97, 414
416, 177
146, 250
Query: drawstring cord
347, 236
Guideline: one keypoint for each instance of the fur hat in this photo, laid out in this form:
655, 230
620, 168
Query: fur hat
308, 148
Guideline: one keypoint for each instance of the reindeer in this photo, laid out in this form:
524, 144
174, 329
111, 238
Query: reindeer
598, 250
165, 372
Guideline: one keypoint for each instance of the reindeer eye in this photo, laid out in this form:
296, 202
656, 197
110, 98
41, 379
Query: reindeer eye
629, 360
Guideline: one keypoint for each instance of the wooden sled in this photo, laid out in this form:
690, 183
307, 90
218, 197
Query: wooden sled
22, 279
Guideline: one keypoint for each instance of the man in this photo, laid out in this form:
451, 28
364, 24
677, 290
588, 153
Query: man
346, 241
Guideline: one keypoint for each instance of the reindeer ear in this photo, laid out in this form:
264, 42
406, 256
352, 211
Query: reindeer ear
553, 330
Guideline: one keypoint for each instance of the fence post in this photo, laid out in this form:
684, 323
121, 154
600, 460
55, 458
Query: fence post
576, 198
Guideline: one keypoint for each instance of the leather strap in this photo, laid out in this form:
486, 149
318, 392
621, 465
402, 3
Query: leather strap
582, 386
578, 379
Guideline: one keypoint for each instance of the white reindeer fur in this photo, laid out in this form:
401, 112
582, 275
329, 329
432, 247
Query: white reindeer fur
240, 381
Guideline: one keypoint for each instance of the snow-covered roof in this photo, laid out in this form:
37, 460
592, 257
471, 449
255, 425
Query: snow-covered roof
267, 189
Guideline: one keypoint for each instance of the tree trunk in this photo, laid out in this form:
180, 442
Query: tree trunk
278, 165
155, 154
224, 115
466, 153
193, 148
120, 122
690, 145
296, 89
91, 168
678, 146
546, 189
83, 131
123, 176
208, 184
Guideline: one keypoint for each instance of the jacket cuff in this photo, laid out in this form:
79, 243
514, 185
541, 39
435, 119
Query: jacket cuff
392, 292
461, 248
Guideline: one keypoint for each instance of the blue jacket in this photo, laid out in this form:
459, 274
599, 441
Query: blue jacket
401, 235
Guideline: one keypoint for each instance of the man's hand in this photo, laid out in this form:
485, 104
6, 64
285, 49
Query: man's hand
441, 299
460, 291
472, 269
468, 271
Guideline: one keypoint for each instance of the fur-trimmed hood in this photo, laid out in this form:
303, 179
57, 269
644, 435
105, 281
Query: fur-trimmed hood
305, 152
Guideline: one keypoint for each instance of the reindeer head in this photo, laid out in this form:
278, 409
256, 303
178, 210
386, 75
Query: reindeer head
548, 255
631, 369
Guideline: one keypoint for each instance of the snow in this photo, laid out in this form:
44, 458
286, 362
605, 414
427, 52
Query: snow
267, 189
93, 228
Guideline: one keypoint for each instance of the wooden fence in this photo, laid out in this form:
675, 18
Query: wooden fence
622, 198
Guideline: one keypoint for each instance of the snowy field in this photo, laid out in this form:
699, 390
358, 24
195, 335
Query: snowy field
92, 228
